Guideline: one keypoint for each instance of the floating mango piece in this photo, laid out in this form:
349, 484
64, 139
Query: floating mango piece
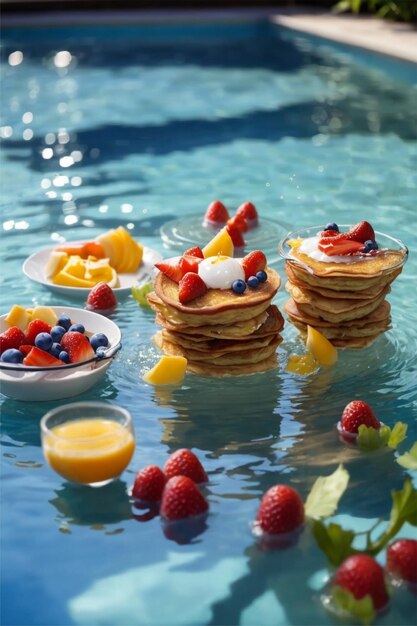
320, 347
220, 244
169, 370
18, 316
46, 314
302, 364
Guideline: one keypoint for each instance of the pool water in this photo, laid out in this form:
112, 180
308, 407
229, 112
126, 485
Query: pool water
138, 126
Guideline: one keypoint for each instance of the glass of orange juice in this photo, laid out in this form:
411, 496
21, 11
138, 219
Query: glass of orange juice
88, 442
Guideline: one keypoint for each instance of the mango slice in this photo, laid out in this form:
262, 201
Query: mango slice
169, 370
302, 364
125, 254
320, 347
18, 316
46, 314
57, 260
220, 244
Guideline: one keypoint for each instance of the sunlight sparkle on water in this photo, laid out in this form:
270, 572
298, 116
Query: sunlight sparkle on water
15, 58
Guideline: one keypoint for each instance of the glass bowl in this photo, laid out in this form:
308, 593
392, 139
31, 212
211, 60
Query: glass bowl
90, 443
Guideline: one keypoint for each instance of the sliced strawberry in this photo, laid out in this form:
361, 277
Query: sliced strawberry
195, 251
239, 222
77, 346
191, 286
181, 498
171, 268
216, 213
361, 232
248, 211
149, 483
236, 236
40, 358
101, 298
253, 262
329, 234
35, 327
13, 337
25, 349
185, 463
341, 247
189, 263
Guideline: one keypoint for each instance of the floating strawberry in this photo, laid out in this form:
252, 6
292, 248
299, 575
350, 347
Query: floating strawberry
361, 232
101, 298
40, 358
185, 463
181, 498
238, 222
77, 346
191, 286
402, 559
35, 327
235, 235
362, 575
248, 211
357, 413
149, 483
216, 214
281, 510
171, 269
13, 337
253, 262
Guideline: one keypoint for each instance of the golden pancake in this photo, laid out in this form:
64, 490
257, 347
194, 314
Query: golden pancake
217, 301
222, 371
216, 347
380, 315
237, 330
334, 306
341, 316
342, 332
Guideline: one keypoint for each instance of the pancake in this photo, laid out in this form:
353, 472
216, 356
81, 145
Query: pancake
380, 315
216, 347
239, 329
333, 305
343, 332
341, 316
219, 371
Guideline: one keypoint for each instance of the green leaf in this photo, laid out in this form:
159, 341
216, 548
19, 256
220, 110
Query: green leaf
335, 541
404, 506
398, 434
325, 494
343, 600
409, 459
139, 292
371, 438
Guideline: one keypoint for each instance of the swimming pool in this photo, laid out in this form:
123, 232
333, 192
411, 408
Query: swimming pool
140, 125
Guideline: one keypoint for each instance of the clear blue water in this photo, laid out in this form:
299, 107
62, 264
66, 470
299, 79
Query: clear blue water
146, 125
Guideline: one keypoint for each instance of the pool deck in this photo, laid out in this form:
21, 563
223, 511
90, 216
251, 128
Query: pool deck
382, 36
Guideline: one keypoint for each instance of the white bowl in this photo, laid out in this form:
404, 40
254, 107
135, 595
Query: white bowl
28, 384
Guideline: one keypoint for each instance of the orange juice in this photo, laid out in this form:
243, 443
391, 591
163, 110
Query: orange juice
89, 450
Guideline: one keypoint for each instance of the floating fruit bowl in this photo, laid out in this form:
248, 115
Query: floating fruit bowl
27, 383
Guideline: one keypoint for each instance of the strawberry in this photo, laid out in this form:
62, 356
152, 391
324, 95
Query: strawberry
185, 463
171, 269
339, 246
195, 251
188, 263
191, 286
248, 211
25, 348
402, 559
216, 213
362, 575
361, 232
357, 413
253, 262
149, 483
181, 498
329, 234
77, 346
281, 510
40, 358
236, 236
35, 327
101, 298
239, 222
13, 337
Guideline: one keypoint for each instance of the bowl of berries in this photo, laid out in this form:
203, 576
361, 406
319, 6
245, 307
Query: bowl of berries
51, 353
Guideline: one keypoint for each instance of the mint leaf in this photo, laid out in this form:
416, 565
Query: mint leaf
139, 292
335, 541
370, 438
404, 506
343, 600
409, 459
325, 494
398, 434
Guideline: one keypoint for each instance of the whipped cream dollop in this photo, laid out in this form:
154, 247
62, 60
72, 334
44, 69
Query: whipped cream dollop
219, 272
309, 247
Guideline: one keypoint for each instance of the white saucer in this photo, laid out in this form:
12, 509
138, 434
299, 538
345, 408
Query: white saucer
34, 268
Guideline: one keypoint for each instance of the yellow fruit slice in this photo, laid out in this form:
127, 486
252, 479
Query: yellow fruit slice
220, 244
169, 370
70, 280
75, 266
112, 251
125, 243
18, 316
46, 314
55, 263
294, 243
302, 364
320, 347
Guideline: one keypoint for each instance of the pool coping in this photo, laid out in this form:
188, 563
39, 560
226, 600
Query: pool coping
393, 39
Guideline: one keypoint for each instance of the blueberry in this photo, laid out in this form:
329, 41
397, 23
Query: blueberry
261, 276
12, 356
332, 226
43, 341
99, 340
64, 356
55, 350
77, 328
101, 352
253, 282
64, 321
238, 286
57, 332
370, 245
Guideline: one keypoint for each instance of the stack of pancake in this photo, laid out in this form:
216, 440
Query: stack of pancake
343, 301
220, 333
